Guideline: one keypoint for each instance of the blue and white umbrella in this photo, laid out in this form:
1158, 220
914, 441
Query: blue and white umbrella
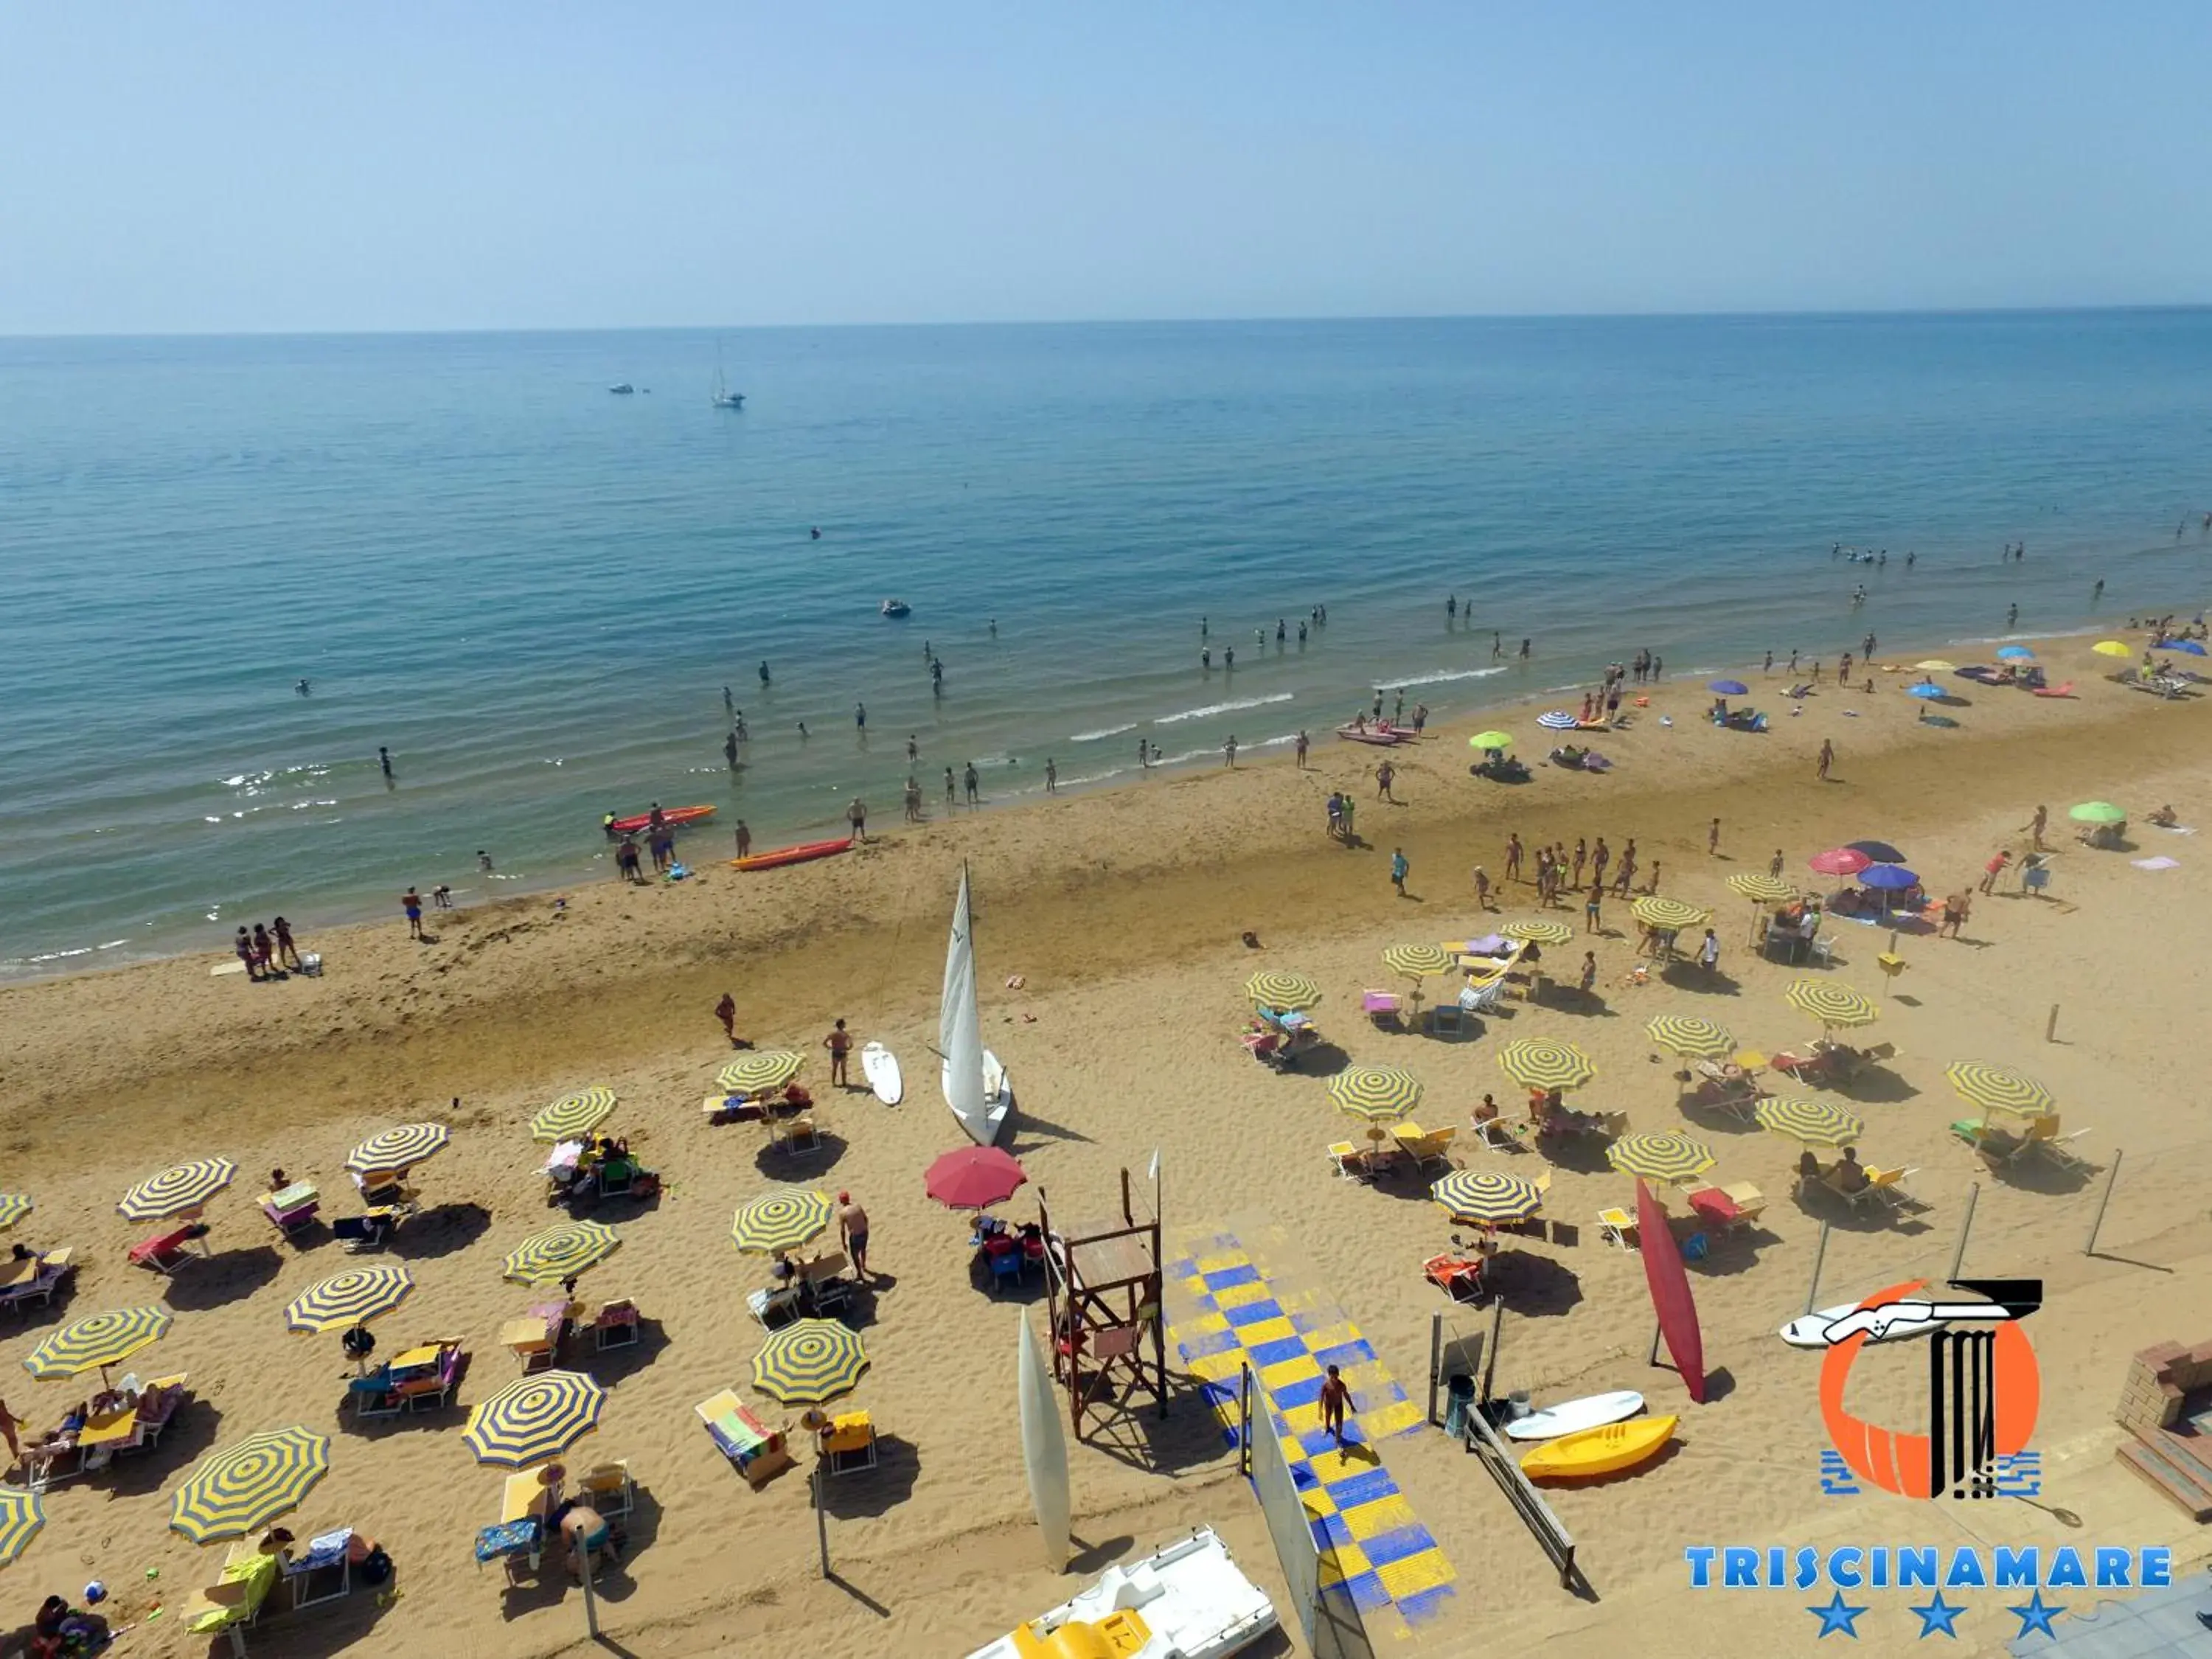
1557, 720
2016, 653
1926, 691
1730, 688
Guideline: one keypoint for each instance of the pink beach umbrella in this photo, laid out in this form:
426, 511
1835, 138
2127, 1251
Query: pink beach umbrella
1839, 861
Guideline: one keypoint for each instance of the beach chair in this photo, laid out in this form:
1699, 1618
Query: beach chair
609, 1489
1459, 1277
848, 1444
1006, 1265
1447, 1016
49, 1269
799, 1135
755, 1450
1618, 1227
233, 1600
534, 1338
527, 1500
1349, 1161
387, 1190
165, 1254
159, 1403
615, 1326
2059, 1148
423, 1379
1385, 1008
1497, 1134
357, 1234
1483, 996
1880, 1184
1432, 1147
291, 1211
1833, 1178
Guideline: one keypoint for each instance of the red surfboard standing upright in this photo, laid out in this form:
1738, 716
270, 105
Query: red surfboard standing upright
1670, 1292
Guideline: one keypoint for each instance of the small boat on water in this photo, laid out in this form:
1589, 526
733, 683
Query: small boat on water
1189, 1600
639, 821
621, 388
1381, 733
723, 396
896, 608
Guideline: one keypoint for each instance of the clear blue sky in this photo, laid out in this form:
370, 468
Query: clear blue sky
191, 166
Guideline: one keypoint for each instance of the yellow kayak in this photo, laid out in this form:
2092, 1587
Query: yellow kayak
1599, 1451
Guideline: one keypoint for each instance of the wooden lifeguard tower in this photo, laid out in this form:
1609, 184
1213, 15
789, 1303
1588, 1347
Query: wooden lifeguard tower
1102, 1295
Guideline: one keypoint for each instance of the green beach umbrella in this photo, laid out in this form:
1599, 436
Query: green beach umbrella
2097, 812
1490, 740
809, 1362
781, 1220
349, 1298
1691, 1038
23, 1513
2000, 1089
1374, 1094
1832, 1004
1488, 1198
242, 1488
178, 1191
1814, 1122
560, 1253
1664, 1156
95, 1343
1539, 930
534, 1418
1546, 1063
573, 1116
397, 1149
757, 1073
1273, 987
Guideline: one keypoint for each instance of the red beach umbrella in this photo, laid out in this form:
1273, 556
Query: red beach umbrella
973, 1178
1839, 861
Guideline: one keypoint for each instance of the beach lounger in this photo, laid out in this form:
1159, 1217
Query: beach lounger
293, 1210
166, 1254
754, 1449
535, 1337
615, 1326
1459, 1277
2065, 690
233, 1600
1349, 1161
47, 1272
798, 1135
527, 1500
1433, 1146
372, 1231
1385, 1008
1006, 1265
608, 1489
848, 1444
385, 1191
1618, 1227
1447, 1016
1499, 1135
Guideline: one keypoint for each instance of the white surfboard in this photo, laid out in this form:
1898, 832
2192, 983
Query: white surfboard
881, 1067
1807, 1332
1571, 1416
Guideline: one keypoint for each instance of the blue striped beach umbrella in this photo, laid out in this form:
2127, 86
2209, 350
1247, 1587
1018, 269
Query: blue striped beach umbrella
21, 1513
349, 1298
534, 1418
242, 1488
13, 1207
97, 1342
178, 1191
1557, 720
808, 1362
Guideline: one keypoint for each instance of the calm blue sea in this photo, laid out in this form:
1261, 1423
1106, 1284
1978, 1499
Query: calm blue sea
533, 591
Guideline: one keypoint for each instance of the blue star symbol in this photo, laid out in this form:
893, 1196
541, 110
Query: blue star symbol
2035, 1613
1836, 1617
1937, 1615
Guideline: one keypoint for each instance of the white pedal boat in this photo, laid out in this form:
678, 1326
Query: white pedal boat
1188, 1601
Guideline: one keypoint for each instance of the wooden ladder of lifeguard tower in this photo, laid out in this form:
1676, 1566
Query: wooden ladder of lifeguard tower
1102, 1297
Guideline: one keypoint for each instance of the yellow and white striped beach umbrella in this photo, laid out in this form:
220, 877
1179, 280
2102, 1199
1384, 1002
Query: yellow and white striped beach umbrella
1663, 1156
103, 1339
1835, 1006
1274, 987
1690, 1037
1812, 1122
1546, 1063
1417, 961
13, 1207
1763, 889
573, 1116
809, 1362
242, 1488
2000, 1089
1935, 666
1670, 915
1374, 1094
780, 1220
393, 1151
757, 1073
1539, 930
22, 1512
1488, 1198
349, 1298
533, 1418
178, 1191
560, 1253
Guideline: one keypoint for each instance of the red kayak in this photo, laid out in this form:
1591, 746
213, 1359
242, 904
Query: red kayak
631, 826
798, 855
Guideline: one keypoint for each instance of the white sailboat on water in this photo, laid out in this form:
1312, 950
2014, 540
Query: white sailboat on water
723, 397
975, 1085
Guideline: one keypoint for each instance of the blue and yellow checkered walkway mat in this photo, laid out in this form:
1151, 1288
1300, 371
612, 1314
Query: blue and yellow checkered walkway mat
1375, 1552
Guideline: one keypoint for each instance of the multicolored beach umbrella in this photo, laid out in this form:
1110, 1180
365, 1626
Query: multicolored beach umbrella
1274, 987
1669, 915
1814, 1122
809, 1362
242, 1488
780, 1220
1763, 889
1417, 961
1835, 1006
573, 1116
13, 1207
1546, 1063
93, 1344
349, 1298
560, 1253
534, 1418
22, 1512
396, 1150
179, 1191
1374, 1094
2000, 1089
1487, 1198
1539, 930
758, 1073
1691, 1038
1664, 1156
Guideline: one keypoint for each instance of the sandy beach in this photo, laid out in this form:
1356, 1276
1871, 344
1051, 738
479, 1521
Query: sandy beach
1121, 914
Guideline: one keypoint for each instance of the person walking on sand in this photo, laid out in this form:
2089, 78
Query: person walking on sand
1513, 857
1482, 890
1301, 750
1626, 874
838, 1042
1651, 882
1827, 759
727, 1012
1334, 1398
1709, 952
1955, 915
243, 944
744, 840
852, 1228
1590, 972
1399, 870
1601, 856
1774, 865
2036, 826
1593, 908
951, 792
1843, 673
411, 901
1385, 775
265, 951
1993, 869
856, 814
287, 952
1713, 840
